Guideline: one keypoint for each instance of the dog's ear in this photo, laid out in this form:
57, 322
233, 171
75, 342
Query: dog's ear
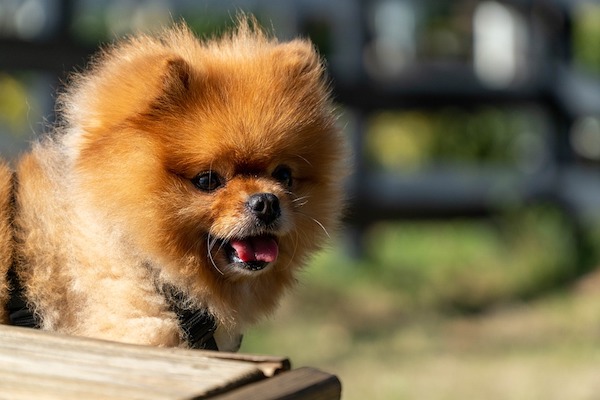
177, 79
177, 76
299, 59
123, 86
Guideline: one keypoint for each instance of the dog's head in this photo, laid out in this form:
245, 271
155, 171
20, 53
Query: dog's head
220, 159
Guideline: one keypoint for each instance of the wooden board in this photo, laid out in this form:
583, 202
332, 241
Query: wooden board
302, 383
42, 365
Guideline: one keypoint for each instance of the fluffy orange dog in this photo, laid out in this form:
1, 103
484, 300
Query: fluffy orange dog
186, 185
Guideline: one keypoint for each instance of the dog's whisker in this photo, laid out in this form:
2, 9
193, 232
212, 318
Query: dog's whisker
322, 227
209, 250
300, 198
214, 264
211, 244
316, 221
303, 159
293, 252
301, 201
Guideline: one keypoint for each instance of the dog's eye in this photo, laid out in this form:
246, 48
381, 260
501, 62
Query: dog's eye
283, 174
207, 181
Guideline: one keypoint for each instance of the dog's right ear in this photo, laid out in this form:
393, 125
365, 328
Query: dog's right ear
122, 86
176, 83
178, 76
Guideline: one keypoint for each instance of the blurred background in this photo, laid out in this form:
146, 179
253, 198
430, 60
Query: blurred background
467, 267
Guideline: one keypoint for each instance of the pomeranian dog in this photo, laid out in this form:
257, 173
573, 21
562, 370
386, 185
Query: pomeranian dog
185, 184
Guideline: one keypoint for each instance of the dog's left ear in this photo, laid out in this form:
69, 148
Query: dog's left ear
299, 59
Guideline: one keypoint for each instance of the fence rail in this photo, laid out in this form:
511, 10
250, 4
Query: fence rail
550, 83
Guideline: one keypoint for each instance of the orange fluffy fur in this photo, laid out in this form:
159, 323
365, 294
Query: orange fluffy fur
105, 211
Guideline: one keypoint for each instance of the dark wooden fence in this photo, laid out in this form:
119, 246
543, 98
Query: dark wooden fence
344, 29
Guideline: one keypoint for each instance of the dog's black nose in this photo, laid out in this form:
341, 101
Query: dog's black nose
265, 206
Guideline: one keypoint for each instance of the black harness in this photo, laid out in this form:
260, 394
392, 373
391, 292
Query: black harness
18, 311
198, 326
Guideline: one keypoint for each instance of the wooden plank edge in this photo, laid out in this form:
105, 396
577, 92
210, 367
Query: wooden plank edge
269, 365
302, 383
262, 366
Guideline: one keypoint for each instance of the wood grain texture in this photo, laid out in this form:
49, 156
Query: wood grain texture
302, 383
42, 365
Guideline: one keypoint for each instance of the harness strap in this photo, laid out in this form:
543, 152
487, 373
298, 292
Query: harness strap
19, 313
198, 325
199, 328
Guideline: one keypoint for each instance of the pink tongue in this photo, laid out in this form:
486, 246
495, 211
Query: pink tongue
260, 248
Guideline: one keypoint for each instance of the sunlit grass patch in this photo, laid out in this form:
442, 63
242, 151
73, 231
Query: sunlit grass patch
463, 264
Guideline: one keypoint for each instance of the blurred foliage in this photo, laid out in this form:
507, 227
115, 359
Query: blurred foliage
586, 35
101, 22
20, 111
385, 342
445, 30
13, 103
411, 140
320, 32
464, 265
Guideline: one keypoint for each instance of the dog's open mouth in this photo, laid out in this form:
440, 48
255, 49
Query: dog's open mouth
252, 253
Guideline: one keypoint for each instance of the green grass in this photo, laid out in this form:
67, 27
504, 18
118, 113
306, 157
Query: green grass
436, 311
